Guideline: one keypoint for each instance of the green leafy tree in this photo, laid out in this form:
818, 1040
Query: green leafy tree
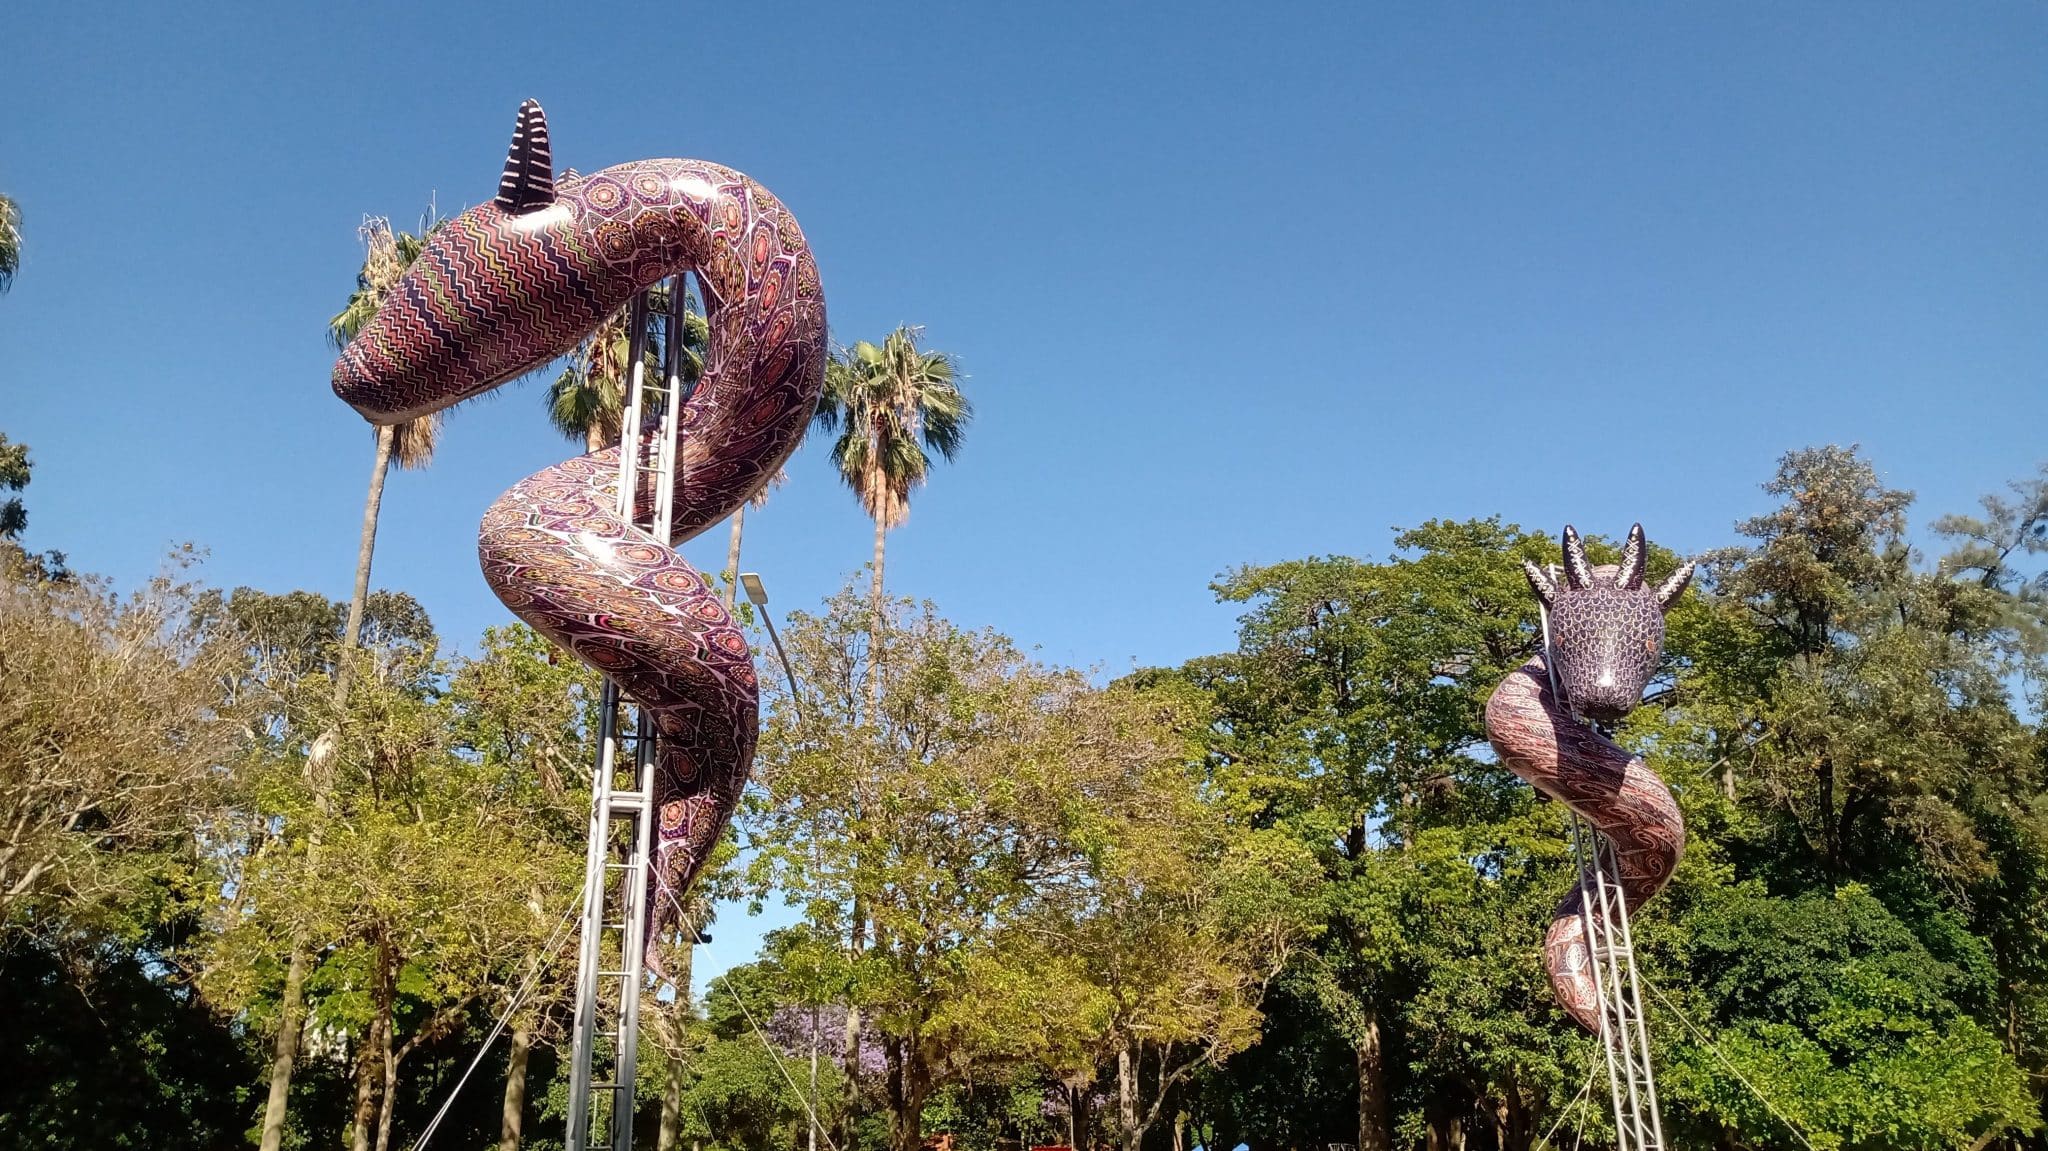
444, 861
15, 470
1877, 782
114, 733
10, 242
966, 830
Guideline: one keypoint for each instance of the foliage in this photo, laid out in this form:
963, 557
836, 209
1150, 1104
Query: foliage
105, 1052
587, 401
1281, 894
1009, 841
15, 470
113, 734
10, 242
887, 403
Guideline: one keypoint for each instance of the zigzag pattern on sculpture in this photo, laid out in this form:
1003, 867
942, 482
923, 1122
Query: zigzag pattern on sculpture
497, 293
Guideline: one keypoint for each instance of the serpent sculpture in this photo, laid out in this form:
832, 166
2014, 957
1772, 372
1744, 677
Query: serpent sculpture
517, 281
1606, 635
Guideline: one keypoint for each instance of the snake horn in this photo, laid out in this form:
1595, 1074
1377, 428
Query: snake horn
1633, 557
529, 179
1577, 572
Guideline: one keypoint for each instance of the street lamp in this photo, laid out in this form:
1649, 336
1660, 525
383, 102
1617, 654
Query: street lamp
757, 594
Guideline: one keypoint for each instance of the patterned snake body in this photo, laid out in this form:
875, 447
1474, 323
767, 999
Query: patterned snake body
1607, 632
513, 283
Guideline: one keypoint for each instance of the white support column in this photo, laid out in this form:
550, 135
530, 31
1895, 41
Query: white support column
604, 1049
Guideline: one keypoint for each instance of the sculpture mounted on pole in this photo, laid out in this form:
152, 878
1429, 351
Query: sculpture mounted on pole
1549, 722
515, 282
583, 551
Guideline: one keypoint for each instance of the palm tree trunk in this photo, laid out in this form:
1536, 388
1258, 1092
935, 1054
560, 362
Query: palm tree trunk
875, 629
732, 557
513, 1114
353, 629
292, 1011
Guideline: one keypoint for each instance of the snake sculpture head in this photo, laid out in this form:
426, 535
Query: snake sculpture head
1606, 626
518, 280
1606, 635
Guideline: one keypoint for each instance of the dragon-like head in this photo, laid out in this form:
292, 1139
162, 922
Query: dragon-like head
1606, 626
495, 292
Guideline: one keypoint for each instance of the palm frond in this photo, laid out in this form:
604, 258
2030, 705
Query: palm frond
888, 403
413, 442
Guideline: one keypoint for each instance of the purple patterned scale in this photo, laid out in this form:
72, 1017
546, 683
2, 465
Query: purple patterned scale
513, 283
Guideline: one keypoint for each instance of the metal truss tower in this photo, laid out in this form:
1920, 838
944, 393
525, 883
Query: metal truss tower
611, 961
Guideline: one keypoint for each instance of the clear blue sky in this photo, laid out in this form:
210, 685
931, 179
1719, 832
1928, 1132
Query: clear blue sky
1233, 284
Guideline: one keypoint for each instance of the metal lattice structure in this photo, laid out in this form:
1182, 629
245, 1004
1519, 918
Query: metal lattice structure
611, 963
1624, 1027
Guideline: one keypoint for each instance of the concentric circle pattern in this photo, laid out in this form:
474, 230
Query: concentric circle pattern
496, 294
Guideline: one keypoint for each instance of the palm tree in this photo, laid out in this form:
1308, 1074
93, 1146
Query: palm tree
10, 241
889, 404
410, 445
588, 400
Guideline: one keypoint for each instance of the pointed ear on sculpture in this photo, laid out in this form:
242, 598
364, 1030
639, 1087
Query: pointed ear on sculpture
1669, 591
1540, 583
1578, 573
1633, 556
529, 180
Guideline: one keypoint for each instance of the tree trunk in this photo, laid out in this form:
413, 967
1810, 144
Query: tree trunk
386, 1005
390, 1102
367, 1075
291, 1019
1081, 1115
353, 630
909, 1083
732, 557
292, 1011
513, 1114
849, 1050
675, 1015
1129, 1134
668, 1137
875, 630
1373, 1132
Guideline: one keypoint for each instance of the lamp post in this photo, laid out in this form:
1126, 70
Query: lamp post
757, 594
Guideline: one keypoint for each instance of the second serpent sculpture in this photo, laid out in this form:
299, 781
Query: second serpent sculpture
1606, 635
515, 282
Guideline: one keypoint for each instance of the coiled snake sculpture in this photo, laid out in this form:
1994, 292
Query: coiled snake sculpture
515, 282
1606, 635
